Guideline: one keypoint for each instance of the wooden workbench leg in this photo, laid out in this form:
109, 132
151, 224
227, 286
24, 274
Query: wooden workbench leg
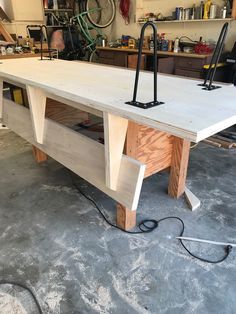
37, 104
115, 129
125, 218
39, 155
179, 166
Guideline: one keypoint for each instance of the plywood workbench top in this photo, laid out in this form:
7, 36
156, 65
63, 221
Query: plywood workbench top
159, 53
189, 112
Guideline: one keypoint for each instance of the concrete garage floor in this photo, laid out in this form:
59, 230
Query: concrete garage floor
52, 239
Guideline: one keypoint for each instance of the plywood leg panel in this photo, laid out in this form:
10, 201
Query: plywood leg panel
39, 155
125, 218
79, 153
179, 167
115, 129
37, 104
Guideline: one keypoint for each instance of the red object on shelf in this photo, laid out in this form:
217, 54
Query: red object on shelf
203, 48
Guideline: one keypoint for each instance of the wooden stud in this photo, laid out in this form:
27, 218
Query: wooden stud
6, 34
115, 129
1, 97
37, 104
125, 218
179, 166
39, 155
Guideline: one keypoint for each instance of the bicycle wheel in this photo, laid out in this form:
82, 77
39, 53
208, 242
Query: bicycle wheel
101, 13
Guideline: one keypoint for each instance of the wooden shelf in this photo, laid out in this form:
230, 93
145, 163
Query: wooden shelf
57, 10
192, 21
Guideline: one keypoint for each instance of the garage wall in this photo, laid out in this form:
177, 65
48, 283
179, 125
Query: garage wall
7, 7
209, 30
22, 13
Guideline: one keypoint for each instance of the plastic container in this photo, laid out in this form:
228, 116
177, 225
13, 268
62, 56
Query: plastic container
176, 45
213, 10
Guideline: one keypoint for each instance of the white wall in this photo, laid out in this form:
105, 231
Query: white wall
22, 13
209, 30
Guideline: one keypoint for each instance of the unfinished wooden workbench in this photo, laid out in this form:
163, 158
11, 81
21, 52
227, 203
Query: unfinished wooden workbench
158, 137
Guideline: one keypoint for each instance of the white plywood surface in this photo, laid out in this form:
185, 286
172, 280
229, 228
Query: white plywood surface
188, 112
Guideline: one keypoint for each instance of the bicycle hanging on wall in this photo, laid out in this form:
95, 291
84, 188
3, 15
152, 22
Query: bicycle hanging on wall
83, 31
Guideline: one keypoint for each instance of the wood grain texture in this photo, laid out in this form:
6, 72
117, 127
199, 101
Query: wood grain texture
212, 143
20, 55
159, 53
149, 146
125, 218
1, 97
223, 143
78, 153
107, 89
133, 59
64, 114
5, 34
115, 129
233, 14
78, 106
37, 104
60, 113
39, 155
179, 167
132, 140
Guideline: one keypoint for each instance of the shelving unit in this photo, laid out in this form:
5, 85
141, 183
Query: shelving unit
192, 21
56, 13
52, 15
57, 10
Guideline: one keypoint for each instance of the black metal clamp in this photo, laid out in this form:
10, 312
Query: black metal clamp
215, 60
49, 50
155, 102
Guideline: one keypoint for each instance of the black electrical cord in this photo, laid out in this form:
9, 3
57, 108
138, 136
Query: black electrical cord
149, 225
18, 284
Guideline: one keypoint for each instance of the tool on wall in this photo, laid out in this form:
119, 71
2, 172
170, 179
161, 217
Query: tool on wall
155, 102
125, 10
215, 60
